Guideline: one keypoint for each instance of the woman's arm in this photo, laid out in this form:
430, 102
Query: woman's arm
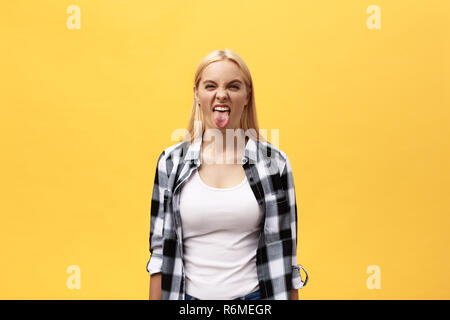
287, 180
155, 287
154, 265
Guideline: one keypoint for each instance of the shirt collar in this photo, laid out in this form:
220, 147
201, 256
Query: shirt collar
250, 151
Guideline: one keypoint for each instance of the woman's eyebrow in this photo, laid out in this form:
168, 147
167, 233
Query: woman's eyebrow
235, 80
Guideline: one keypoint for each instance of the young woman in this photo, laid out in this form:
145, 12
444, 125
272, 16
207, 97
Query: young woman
223, 215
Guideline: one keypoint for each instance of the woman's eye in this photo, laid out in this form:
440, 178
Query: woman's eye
211, 86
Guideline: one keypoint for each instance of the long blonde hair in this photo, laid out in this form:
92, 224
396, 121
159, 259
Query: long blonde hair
249, 120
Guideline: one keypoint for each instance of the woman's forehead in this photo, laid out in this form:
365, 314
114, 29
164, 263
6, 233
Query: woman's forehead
222, 70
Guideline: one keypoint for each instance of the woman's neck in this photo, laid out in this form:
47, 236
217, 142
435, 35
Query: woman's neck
218, 149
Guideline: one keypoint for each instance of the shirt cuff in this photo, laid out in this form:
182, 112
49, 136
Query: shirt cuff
297, 282
154, 265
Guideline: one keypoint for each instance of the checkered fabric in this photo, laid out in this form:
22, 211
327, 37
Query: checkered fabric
269, 174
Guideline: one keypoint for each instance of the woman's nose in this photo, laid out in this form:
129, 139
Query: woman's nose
221, 93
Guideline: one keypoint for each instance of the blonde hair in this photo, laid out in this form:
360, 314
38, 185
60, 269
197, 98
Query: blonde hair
249, 120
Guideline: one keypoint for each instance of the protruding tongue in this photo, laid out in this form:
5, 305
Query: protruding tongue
221, 119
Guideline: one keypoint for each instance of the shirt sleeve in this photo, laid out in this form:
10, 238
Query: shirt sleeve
154, 264
287, 179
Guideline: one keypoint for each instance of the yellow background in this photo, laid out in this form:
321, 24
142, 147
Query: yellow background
363, 116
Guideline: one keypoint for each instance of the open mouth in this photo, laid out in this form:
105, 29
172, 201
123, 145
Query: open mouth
222, 109
221, 115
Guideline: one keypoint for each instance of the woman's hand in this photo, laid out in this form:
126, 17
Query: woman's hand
294, 294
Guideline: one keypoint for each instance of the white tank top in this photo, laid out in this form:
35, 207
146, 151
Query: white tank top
221, 228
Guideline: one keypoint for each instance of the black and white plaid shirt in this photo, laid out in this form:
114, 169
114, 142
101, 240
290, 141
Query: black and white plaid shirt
269, 174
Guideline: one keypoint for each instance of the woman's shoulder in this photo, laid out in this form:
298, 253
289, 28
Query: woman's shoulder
172, 151
272, 151
175, 148
273, 156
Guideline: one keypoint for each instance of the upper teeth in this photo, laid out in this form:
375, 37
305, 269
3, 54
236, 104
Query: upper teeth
222, 108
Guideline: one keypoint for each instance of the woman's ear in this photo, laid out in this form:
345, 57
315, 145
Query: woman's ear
195, 93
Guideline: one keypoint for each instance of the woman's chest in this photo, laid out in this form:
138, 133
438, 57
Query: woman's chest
221, 176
